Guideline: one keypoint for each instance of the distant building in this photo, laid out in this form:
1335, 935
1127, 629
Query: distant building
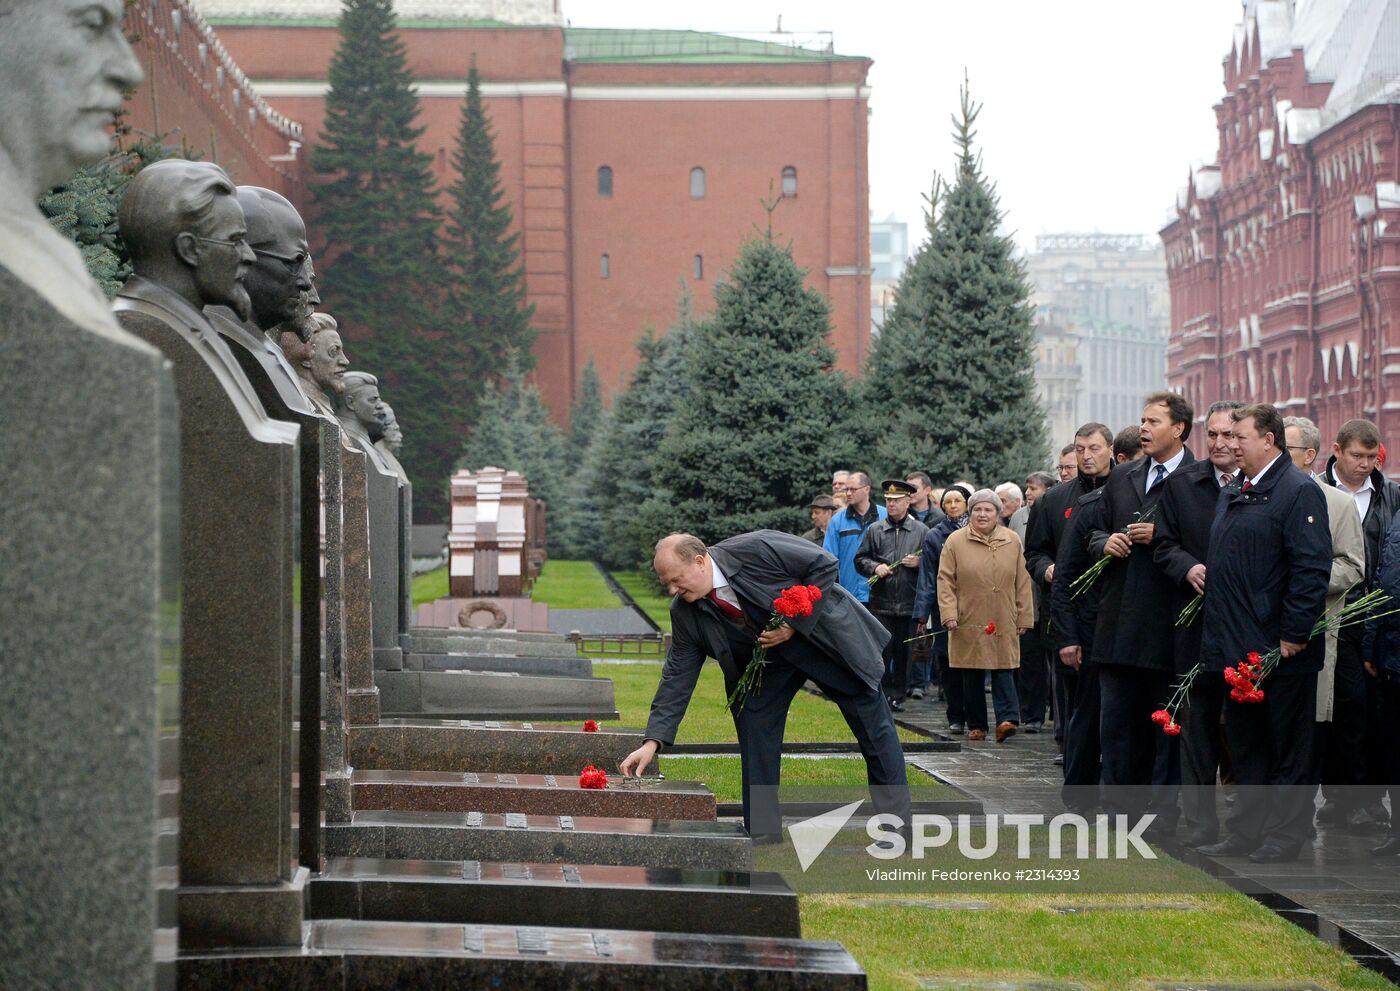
634, 160
889, 253
1284, 256
1101, 327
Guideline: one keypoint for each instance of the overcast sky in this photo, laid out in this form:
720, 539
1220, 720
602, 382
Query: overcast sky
1094, 110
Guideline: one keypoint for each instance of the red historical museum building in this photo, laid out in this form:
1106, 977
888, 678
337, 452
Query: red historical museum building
1284, 257
634, 160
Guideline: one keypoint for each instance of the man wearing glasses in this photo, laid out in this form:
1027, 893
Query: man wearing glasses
846, 530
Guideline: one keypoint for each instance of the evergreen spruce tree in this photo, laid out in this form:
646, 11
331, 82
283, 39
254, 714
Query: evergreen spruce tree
383, 279
487, 298
753, 439
640, 419
514, 432
586, 413
951, 378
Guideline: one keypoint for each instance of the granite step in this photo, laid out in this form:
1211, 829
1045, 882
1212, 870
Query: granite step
679, 843
459, 644
538, 794
440, 632
466, 694
340, 954
533, 664
487, 745
592, 895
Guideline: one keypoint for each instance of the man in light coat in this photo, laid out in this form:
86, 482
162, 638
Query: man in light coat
723, 598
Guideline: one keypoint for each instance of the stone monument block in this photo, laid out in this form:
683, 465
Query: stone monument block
487, 541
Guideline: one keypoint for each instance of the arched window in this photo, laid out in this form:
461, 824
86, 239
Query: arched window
789, 180
697, 183
604, 269
605, 180
699, 267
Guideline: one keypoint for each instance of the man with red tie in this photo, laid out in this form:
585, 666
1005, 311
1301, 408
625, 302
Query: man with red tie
723, 598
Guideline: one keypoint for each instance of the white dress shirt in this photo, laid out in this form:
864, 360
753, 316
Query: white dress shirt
1170, 464
1361, 496
723, 589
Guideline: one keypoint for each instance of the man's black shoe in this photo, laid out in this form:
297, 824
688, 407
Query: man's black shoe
896, 705
1198, 838
957, 728
1272, 853
1059, 759
1231, 846
1369, 817
1034, 726
1390, 848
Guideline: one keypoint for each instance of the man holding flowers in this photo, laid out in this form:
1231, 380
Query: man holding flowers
724, 602
1269, 564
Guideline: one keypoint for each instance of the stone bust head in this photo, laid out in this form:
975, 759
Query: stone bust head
393, 436
184, 229
326, 364
360, 398
279, 282
64, 65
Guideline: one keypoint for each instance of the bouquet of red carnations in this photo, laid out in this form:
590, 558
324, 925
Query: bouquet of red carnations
792, 602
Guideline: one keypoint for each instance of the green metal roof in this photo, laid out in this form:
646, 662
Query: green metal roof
659, 45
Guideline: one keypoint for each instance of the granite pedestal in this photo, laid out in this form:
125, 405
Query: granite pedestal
493, 695
695, 844
569, 667
458, 745
600, 896
493, 645
345, 955
537, 794
361, 695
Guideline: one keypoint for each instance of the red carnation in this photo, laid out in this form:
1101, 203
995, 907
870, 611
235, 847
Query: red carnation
1253, 658
989, 629
1172, 729
592, 777
1068, 510
590, 726
1161, 717
796, 601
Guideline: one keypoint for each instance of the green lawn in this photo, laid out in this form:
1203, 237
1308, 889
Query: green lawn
430, 586
1228, 938
810, 719
722, 776
573, 585
640, 587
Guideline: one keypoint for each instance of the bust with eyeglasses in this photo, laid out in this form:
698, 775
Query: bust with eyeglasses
280, 278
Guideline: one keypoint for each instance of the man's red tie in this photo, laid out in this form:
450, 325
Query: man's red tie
1246, 486
733, 612
1225, 479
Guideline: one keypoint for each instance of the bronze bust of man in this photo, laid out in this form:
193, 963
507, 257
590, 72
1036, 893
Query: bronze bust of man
322, 363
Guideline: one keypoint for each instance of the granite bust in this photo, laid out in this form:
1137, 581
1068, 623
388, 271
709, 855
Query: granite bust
321, 363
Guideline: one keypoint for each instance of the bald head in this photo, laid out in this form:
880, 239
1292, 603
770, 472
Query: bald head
280, 281
682, 564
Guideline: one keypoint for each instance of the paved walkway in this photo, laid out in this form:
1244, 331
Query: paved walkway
1333, 890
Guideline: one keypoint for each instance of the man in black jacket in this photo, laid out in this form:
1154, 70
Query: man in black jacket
1184, 519
1352, 786
1045, 531
723, 598
889, 552
1269, 564
1133, 636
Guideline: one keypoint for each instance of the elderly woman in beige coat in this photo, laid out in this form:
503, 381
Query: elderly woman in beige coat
984, 600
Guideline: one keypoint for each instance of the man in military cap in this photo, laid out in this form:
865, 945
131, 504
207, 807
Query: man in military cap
819, 509
889, 557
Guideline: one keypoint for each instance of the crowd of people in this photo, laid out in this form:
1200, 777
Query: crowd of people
1120, 598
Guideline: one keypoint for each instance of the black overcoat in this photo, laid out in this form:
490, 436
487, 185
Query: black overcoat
1267, 571
1135, 618
1184, 519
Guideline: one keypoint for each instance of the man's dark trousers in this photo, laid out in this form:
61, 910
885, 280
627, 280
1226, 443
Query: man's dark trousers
760, 726
896, 684
1342, 748
1083, 766
1274, 808
1141, 768
1200, 755
1033, 677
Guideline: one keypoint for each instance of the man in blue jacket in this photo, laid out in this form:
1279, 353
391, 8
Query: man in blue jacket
846, 530
1269, 563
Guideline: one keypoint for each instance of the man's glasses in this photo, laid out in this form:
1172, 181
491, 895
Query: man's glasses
236, 242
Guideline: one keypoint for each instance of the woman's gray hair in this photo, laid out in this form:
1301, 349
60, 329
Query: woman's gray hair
985, 495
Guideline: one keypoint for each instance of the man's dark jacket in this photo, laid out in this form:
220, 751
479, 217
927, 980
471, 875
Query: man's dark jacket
1182, 540
1135, 618
1267, 571
886, 542
1048, 521
1073, 618
841, 642
1385, 503
1383, 634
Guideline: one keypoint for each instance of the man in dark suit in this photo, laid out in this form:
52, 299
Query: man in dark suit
1269, 564
1133, 635
723, 597
1046, 526
1184, 519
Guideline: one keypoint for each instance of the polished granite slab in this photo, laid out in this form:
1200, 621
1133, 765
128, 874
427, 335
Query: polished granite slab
486, 745
608, 896
570, 667
471, 694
